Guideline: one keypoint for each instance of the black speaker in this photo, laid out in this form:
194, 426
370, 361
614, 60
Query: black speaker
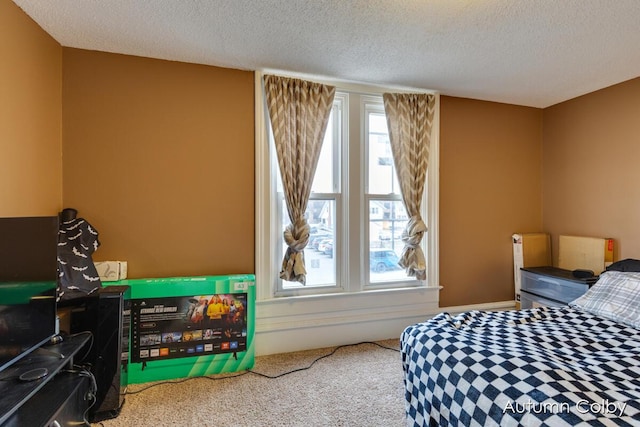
106, 316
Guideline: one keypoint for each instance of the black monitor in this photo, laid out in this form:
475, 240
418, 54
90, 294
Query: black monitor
28, 278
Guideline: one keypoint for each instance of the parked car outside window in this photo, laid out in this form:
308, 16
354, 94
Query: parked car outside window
324, 243
316, 238
383, 260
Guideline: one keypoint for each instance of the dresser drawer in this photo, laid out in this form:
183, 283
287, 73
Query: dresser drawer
528, 300
555, 288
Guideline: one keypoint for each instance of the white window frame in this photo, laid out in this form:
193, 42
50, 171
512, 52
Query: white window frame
348, 243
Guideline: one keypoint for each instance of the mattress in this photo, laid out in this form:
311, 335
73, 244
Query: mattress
538, 367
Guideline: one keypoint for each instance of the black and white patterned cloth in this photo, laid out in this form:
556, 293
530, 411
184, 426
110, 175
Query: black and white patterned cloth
539, 367
77, 275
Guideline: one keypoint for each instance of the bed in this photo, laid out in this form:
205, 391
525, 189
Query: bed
578, 364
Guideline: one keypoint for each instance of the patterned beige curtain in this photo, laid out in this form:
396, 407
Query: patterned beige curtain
299, 112
410, 118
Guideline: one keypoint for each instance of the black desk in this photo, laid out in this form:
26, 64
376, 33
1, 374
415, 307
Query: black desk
33, 403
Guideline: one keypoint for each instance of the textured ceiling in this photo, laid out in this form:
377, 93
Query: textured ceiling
526, 52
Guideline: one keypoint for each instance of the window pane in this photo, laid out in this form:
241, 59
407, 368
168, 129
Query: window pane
387, 220
323, 180
319, 255
377, 123
382, 175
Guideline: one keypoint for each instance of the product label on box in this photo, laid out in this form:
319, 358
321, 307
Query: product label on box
242, 286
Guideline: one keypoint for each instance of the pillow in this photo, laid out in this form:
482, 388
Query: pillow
615, 296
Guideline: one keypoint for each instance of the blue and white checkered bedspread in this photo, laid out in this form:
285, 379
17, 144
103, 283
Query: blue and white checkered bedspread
539, 367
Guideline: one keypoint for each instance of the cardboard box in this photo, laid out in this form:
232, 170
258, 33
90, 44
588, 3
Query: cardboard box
529, 250
160, 350
111, 271
586, 253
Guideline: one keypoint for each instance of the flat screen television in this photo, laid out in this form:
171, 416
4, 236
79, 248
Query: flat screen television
28, 276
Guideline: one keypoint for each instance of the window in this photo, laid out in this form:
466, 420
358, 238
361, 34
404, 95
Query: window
355, 210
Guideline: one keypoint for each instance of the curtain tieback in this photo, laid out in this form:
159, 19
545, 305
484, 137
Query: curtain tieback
413, 232
296, 235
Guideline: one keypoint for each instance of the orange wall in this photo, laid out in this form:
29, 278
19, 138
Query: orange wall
159, 157
592, 167
490, 187
30, 117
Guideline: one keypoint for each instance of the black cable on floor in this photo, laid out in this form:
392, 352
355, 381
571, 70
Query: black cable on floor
320, 358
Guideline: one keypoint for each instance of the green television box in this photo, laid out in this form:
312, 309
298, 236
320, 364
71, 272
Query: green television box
189, 326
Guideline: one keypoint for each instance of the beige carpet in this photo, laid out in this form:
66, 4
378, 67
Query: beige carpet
358, 385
